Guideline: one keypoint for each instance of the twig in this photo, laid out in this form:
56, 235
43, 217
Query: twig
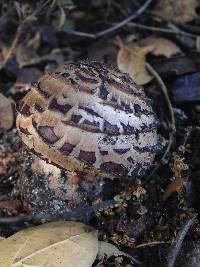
173, 125
170, 24
113, 28
177, 243
181, 32
153, 243
160, 29
173, 28
77, 214
151, 28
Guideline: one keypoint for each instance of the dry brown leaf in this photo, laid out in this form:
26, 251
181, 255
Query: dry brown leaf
69, 244
131, 59
176, 186
181, 11
162, 46
6, 113
56, 244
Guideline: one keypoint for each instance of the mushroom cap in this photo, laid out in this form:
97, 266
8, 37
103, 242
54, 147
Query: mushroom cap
88, 118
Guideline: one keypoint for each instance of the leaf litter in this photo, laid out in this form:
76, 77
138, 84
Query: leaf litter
163, 41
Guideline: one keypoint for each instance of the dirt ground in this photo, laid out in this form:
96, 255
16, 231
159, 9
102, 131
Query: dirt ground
152, 218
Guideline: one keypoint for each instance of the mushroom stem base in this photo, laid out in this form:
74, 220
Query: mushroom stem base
45, 188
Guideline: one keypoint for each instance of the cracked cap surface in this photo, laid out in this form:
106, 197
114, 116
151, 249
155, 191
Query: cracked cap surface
88, 118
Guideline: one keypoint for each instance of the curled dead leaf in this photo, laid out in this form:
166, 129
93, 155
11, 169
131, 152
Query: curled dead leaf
176, 186
162, 46
131, 59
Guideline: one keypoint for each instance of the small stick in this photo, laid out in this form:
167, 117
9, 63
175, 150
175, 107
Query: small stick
160, 29
177, 243
153, 243
171, 25
113, 28
77, 214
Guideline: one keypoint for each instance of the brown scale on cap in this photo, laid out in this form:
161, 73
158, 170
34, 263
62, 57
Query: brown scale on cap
88, 118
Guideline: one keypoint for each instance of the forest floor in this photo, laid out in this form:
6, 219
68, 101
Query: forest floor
158, 44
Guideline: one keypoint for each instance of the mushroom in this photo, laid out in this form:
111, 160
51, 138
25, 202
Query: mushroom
93, 120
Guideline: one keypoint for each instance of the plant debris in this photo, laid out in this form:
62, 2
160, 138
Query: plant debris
153, 218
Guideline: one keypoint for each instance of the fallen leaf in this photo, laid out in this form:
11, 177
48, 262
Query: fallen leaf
162, 46
131, 59
2, 238
181, 11
6, 113
69, 244
175, 186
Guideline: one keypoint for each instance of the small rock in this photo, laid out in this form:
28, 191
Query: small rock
186, 88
